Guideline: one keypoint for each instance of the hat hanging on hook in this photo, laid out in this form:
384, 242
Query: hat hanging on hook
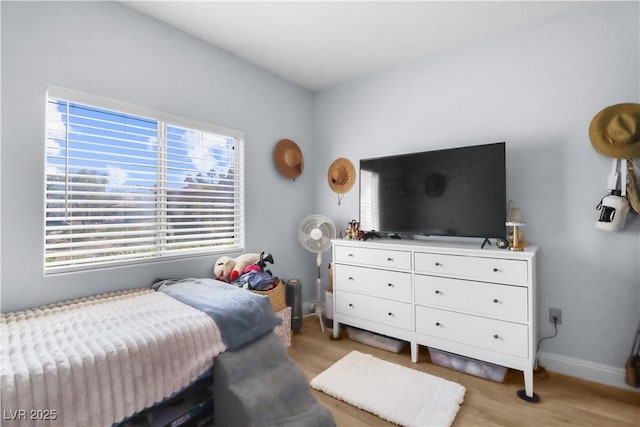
615, 131
288, 158
341, 176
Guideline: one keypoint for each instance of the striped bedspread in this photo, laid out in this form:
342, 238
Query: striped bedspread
95, 361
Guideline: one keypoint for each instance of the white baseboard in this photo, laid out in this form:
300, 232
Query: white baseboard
585, 370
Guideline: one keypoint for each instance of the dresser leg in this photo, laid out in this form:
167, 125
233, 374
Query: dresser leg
414, 352
528, 394
336, 329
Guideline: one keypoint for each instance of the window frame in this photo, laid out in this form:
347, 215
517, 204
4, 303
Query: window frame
164, 120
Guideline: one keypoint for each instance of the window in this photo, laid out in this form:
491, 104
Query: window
126, 184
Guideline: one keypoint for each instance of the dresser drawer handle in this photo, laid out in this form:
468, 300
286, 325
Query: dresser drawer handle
390, 285
496, 336
350, 278
438, 323
350, 255
350, 305
438, 264
390, 314
390, 259
495, 270
495, 300
438, 292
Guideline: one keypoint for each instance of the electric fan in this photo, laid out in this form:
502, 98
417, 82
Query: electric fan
315, 234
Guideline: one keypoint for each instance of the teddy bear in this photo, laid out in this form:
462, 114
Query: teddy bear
229, 269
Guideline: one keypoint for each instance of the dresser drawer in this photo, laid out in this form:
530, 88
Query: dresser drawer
504, 302
383, 283
510, 271
495, 335
383, 258
379, 310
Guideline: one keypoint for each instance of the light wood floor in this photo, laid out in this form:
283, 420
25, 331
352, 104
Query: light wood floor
563, 400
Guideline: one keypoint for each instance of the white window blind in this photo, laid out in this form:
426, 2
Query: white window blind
125, 187
369, 200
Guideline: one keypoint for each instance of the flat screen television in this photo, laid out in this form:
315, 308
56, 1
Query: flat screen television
457, 192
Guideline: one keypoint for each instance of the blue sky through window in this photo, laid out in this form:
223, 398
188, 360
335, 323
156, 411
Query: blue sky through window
123, 149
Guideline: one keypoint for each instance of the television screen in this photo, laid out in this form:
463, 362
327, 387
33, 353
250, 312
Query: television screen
452, 192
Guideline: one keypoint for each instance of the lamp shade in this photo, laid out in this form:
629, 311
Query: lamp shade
514, 217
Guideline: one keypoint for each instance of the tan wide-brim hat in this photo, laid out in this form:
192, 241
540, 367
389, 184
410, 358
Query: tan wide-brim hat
615, 131
341, 175
288, 158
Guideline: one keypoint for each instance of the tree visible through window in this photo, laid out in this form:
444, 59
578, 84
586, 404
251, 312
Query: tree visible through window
123, 187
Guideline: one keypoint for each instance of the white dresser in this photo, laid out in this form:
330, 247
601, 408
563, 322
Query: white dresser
453, 296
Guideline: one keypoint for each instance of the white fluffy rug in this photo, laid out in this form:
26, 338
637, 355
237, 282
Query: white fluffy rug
395, 393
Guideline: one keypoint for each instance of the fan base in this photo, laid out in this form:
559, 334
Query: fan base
319, 315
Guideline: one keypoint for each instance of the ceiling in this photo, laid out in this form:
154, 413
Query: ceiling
318, 45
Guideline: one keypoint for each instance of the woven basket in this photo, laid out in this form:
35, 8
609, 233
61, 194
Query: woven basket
276, 296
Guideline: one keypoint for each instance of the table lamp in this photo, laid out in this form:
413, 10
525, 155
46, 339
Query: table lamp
515, 220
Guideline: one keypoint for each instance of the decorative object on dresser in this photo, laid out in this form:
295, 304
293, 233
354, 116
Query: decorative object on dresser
452, 296
393, 392
315, 234
514, 222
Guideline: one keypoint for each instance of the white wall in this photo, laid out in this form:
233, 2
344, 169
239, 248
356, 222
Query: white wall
538, 90
110, 50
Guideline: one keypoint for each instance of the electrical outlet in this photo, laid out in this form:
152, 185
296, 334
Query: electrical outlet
555, 313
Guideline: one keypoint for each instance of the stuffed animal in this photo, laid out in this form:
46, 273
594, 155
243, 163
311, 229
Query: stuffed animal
228, 269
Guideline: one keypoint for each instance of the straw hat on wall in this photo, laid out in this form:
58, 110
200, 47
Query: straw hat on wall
615, 131
341, 176
288, 158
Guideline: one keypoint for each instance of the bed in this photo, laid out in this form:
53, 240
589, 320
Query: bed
100, 360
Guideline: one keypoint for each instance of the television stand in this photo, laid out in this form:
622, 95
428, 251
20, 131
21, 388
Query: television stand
484, 242
452, 296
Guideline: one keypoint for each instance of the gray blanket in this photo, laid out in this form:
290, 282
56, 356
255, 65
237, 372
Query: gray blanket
259, 386
241, 316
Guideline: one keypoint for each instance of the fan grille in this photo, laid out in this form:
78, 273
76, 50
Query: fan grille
316, 232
